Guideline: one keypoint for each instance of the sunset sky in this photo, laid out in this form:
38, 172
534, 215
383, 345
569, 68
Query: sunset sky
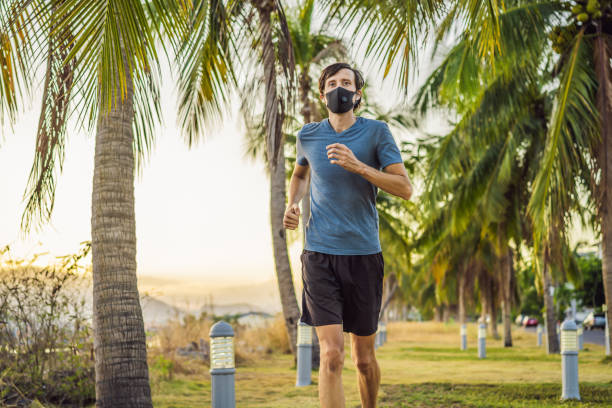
200, 213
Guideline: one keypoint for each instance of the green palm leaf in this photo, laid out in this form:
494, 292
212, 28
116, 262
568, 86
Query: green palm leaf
92, 47
574, 123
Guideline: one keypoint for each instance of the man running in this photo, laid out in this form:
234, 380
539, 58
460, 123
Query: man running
342, 262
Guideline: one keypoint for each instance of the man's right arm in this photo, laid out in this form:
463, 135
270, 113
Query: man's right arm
297, 189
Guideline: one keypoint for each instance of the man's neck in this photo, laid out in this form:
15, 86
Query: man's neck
342, 121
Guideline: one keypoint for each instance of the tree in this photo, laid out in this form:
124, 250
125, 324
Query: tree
579, 139
106, 52
391, 33
17, 57
482, 168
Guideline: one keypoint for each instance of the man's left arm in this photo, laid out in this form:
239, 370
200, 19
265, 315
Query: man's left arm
393, 179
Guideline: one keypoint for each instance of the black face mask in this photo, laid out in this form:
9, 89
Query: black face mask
340, 100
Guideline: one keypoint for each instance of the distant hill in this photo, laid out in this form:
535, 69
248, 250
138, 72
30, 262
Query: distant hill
163, 299
195, 296
156, 311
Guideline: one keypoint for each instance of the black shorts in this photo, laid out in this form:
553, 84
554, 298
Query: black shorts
342, 289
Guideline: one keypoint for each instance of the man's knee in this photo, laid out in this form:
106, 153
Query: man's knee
365, 363
333, 359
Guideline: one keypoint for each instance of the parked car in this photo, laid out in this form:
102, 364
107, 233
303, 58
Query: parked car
594, 320
530, 321
519, 319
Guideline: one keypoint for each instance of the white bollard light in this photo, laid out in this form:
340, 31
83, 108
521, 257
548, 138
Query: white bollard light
482, 340
463, 336
304, 357
569, 360
540, 331
222, 365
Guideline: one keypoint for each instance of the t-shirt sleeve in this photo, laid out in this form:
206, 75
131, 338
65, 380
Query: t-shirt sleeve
300, 157
387, 151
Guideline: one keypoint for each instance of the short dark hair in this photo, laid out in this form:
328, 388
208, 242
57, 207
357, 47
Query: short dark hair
332, 69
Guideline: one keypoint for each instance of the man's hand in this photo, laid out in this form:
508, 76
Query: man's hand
343, 156
292, 217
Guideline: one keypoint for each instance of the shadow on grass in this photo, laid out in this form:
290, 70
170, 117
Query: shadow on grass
490, 395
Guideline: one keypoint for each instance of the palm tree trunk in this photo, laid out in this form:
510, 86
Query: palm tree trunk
493, 291
122, 376
488, 293
291, 311
316, 348
484, 306
483, 285
438, 313
276, 163
603, 53
392, 286
461, 296
552, 341
506, 298
446, 313
305, 84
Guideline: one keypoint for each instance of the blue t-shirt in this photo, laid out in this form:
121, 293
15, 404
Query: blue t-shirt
343, 217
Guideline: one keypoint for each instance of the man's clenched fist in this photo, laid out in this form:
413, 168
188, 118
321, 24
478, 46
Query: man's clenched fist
341, 155
292, 217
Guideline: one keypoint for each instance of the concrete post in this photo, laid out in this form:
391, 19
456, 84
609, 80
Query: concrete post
463, 337
304, 355
540, 330
482, 340
569, 360
222, 365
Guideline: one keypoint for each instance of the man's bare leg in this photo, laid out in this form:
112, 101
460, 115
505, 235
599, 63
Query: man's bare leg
368, 371
331, 342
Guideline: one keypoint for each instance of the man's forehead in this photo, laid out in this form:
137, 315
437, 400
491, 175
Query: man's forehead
344, 73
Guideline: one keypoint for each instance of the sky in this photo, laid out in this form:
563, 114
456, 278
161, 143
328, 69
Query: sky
201, 213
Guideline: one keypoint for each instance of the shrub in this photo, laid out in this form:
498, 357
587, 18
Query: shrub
45, 338
250, 344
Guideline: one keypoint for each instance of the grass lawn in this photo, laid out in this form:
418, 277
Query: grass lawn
422, 366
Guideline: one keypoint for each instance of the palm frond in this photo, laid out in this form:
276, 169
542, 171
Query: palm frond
574, 122
206, 71
51, 133
21, 50
95, 49
388, 31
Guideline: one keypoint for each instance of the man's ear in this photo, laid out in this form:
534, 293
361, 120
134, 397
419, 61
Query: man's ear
359, 95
